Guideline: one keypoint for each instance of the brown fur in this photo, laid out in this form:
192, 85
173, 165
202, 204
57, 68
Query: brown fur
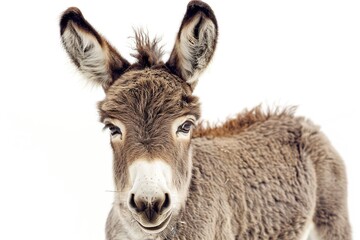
261, 175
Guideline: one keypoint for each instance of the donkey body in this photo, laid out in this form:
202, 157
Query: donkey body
258, 176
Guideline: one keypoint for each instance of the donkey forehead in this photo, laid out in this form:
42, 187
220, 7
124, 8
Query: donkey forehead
151, 77
148, 93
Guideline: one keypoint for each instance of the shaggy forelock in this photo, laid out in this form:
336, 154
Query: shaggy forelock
148, 53
144, 96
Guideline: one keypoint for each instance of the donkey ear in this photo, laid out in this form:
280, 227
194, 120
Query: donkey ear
89, 51
195, 43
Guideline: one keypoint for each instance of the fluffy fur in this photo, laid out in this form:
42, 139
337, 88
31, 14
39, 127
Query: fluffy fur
262, 175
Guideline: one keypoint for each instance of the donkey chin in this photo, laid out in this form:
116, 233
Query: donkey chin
153, 199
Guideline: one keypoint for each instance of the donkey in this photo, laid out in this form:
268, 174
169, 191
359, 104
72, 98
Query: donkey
260, 175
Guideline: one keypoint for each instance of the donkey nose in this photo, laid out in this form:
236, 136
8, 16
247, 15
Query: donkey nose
150, 204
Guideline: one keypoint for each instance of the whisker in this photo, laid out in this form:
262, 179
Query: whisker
111, 191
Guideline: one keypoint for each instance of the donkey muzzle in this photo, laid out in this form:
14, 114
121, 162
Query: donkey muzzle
149, 201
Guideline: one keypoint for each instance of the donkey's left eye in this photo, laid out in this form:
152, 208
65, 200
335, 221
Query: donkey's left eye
185, 127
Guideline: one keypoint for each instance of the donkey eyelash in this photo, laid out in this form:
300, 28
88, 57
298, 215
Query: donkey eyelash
107, 126
193, 122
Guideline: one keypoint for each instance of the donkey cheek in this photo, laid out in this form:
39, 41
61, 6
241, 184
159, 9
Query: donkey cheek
120, 169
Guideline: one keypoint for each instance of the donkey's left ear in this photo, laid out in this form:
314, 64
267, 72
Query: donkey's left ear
195, 43
89, 51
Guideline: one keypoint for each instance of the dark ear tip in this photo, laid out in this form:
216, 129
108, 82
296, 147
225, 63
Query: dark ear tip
196, 6
71, 14
72, 10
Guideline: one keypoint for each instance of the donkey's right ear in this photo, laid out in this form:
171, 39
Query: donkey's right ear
89, 51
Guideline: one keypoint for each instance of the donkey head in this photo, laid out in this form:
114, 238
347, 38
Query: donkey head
149, 110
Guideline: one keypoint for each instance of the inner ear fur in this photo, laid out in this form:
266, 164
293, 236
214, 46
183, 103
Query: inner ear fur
89, 51
195, 43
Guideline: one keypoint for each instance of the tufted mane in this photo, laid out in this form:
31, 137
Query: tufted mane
148, 52
241, 122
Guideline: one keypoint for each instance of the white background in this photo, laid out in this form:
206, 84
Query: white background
55, 162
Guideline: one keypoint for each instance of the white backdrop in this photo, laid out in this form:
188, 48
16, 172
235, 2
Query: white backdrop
55, 162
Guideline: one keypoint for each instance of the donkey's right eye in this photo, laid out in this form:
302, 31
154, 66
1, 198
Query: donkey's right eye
114, 130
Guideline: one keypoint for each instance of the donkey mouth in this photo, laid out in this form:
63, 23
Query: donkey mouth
158, 228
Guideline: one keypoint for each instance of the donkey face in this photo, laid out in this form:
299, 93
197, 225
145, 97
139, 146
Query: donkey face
149, 110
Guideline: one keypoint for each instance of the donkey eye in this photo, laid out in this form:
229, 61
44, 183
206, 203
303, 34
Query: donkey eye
185, 127
114, 130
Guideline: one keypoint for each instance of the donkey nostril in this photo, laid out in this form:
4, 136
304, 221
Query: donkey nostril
138, 203
166, 203
132, 201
